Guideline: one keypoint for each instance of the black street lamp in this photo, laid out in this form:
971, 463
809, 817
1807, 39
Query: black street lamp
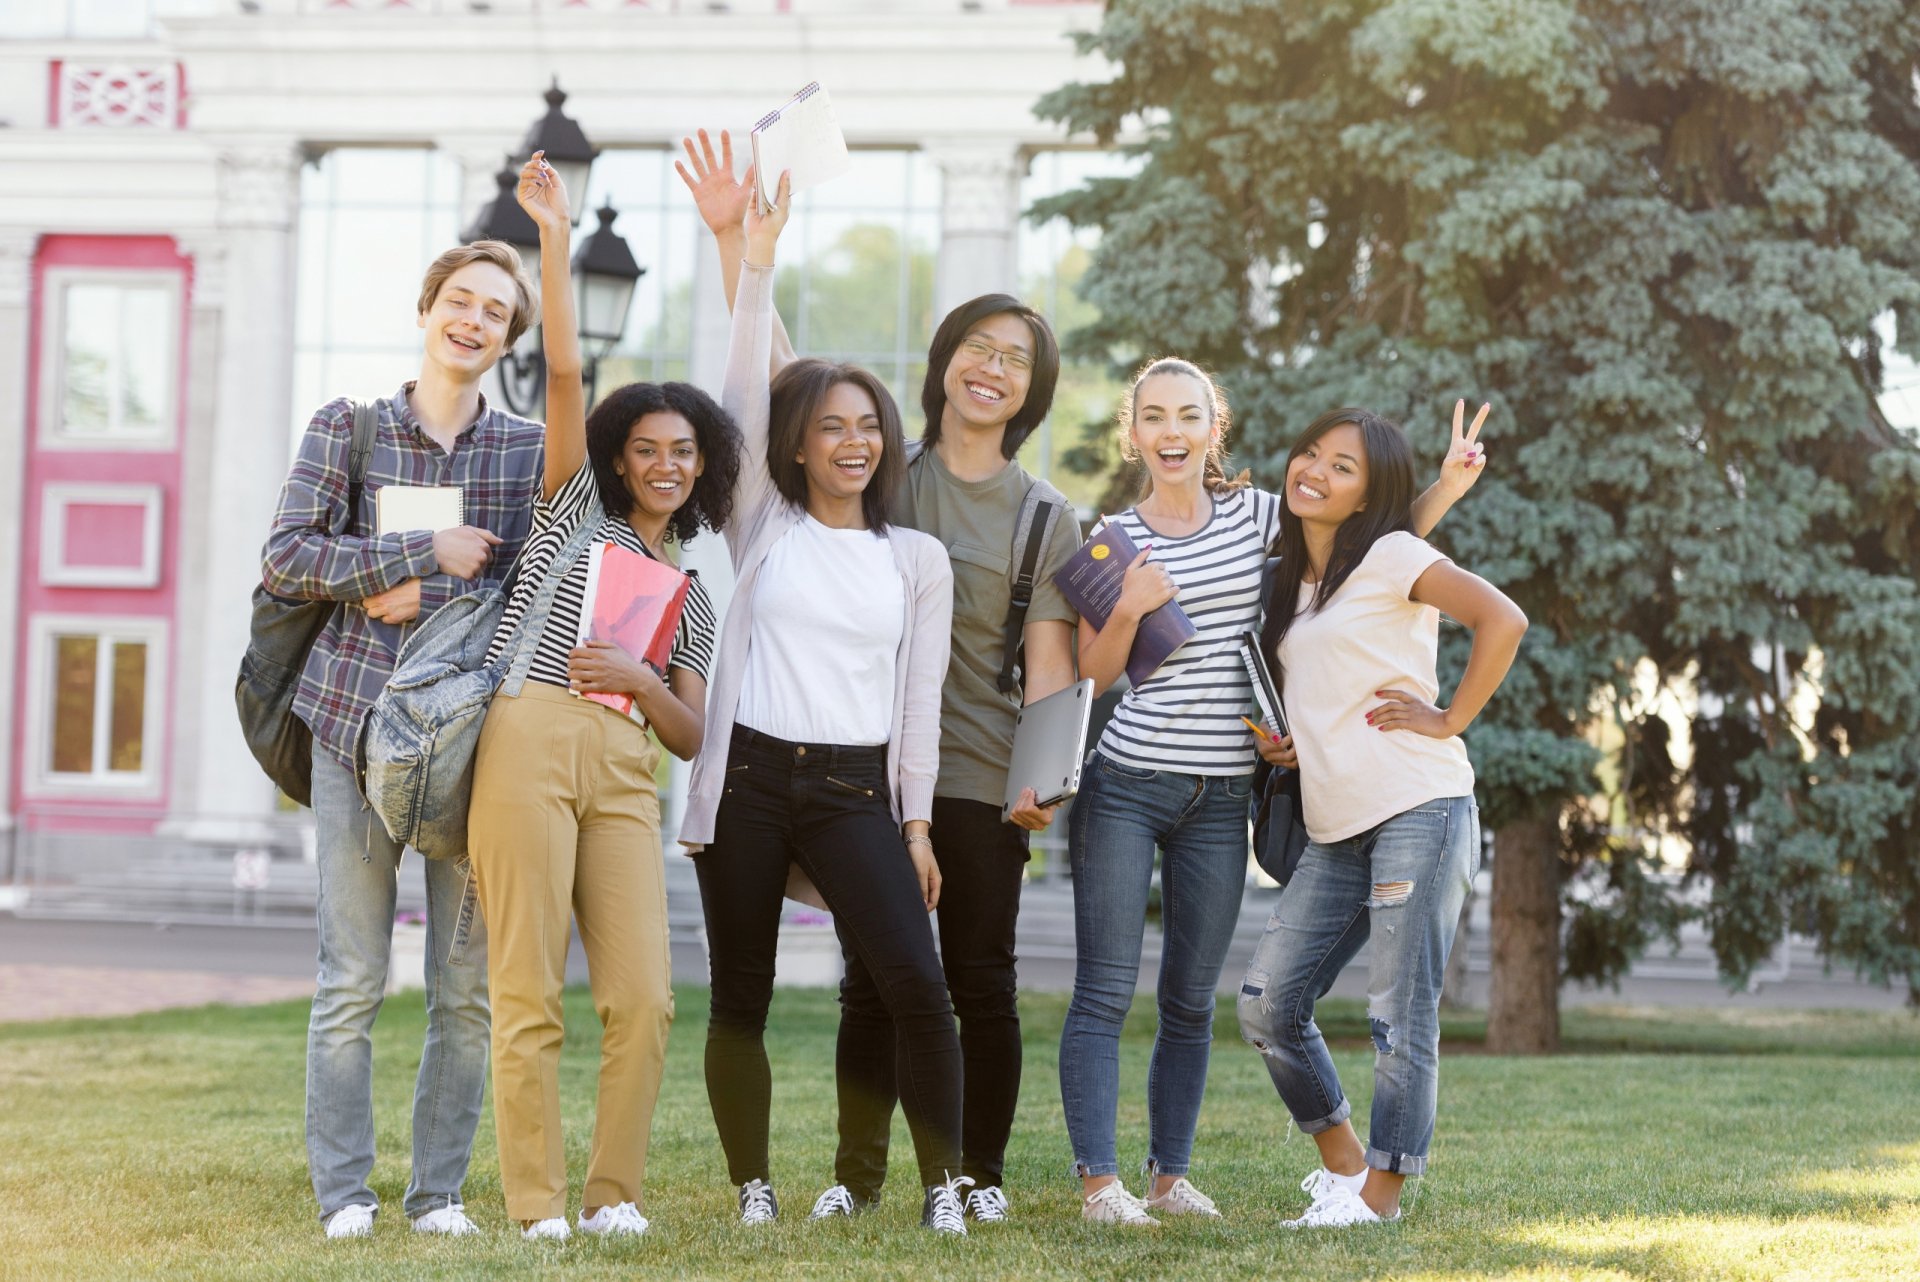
604, 269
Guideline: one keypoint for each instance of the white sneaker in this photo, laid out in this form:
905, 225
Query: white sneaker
757, 1203
351, 1221
1184, 1199
554, 1230
1114, 1205
1340, 1208
1321, 1182
449, 1221
836, 1201
623, 1220
987, 1205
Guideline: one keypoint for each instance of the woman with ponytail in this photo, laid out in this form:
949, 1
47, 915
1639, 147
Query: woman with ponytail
1172, 772
1353, 620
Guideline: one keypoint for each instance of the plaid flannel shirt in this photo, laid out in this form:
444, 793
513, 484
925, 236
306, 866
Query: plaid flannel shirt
497, 461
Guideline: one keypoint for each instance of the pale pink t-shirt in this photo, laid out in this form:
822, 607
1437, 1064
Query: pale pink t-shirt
1371, 636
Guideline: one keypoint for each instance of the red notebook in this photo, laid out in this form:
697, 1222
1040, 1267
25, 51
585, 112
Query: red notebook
634, 601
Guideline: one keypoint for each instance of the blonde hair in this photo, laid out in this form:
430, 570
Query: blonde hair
526, 312
1214, 467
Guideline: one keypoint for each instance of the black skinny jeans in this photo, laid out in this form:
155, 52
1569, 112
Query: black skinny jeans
826, 809
982, 862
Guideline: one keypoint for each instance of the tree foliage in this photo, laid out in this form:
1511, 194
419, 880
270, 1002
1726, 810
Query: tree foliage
1673, 243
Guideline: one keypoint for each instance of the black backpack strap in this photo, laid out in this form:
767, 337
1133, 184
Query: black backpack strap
1040, 508
366, 428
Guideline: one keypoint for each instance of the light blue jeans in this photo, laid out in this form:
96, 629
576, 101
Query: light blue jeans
1199, 824
1402, 883
359, 873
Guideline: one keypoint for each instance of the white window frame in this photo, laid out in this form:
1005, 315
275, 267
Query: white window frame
53, 357
56, 571
129, 785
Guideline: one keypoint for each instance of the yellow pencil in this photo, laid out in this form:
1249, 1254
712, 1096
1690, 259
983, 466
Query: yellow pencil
1262, 733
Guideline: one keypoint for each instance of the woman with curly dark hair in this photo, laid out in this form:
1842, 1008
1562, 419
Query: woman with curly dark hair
565, 822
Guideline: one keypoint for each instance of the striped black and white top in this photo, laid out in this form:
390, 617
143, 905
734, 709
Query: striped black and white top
555, 521
1186, 716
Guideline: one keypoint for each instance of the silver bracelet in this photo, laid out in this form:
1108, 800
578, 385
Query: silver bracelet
918, 839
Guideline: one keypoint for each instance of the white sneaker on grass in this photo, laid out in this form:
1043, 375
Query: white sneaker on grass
839, 1201
1340, 1208
1321, 1182
552, 1230
758, 1205
1183, 1199
941, 1211
1112, 1204
448, 1221
351, 1221
987, 1205
623, 1220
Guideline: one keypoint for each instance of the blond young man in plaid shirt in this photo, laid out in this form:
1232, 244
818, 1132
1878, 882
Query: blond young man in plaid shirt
436, 430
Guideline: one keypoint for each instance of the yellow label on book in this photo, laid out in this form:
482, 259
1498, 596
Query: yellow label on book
1099, 551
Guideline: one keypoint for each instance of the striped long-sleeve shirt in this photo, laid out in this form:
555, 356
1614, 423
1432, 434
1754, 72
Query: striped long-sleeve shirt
320, 551
1186, 716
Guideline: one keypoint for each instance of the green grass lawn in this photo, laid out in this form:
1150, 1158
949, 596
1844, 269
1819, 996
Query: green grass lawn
1698, 1144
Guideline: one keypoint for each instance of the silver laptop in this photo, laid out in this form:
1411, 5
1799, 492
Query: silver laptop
1049, 746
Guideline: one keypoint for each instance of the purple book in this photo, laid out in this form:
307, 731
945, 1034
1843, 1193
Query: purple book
1090, 581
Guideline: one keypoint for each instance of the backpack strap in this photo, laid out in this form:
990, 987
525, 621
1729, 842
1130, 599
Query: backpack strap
1039, 509
366, 428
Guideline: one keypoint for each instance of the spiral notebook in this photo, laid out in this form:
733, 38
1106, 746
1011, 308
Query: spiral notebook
400, 508
802, 135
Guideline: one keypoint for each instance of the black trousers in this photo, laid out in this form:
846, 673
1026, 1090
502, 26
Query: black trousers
826, 809
982, 861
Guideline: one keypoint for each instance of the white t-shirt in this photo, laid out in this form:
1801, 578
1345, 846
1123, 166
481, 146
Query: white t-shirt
1371, 636
829, 610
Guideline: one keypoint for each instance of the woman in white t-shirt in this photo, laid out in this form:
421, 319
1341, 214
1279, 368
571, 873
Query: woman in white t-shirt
1171, 774
1353, 617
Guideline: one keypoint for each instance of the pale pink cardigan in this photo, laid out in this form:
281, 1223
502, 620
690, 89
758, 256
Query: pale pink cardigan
761, 516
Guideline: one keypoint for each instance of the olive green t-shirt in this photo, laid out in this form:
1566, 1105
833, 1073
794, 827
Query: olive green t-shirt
975, 520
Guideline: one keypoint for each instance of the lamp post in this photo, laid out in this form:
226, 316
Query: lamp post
605, 272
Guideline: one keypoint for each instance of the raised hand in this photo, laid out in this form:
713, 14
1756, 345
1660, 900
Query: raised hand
765, 225
543, 195
1466, 458
721, 198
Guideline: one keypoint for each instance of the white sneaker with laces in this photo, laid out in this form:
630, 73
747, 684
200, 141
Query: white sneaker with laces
623, 1220
449, 1221
554, 1230
838, 1200
987, 1205
942, 1211
757, 1203
1321, 1182
1338, 1209
1114, 1205
1183, 1199
351, 1221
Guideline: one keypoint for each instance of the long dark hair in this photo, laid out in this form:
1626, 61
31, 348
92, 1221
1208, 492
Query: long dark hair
953, 331
714, 434
1389, 508
795, 399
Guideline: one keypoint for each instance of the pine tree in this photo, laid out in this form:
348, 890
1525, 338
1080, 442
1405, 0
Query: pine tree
1673, 244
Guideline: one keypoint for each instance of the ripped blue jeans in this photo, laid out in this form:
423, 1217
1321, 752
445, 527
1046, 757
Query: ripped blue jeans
1402, 883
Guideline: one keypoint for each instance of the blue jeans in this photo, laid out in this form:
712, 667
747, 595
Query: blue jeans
1199, 823
1402, 882
359, 873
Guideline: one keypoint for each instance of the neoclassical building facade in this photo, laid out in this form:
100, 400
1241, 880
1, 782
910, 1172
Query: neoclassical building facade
213, 218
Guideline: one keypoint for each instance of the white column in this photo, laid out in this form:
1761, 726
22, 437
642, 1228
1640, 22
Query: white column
244, 286
979, 221
16, 275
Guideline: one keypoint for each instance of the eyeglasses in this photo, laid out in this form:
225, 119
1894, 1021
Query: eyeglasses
1015, 362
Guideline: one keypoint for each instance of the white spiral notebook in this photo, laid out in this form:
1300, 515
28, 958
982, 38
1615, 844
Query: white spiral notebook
802, 135
400, 508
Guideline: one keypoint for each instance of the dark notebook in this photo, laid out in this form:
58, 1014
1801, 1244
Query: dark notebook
1091, 581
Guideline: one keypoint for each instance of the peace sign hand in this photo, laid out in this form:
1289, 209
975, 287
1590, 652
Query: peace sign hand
721, 199
1466, 458
542, 194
